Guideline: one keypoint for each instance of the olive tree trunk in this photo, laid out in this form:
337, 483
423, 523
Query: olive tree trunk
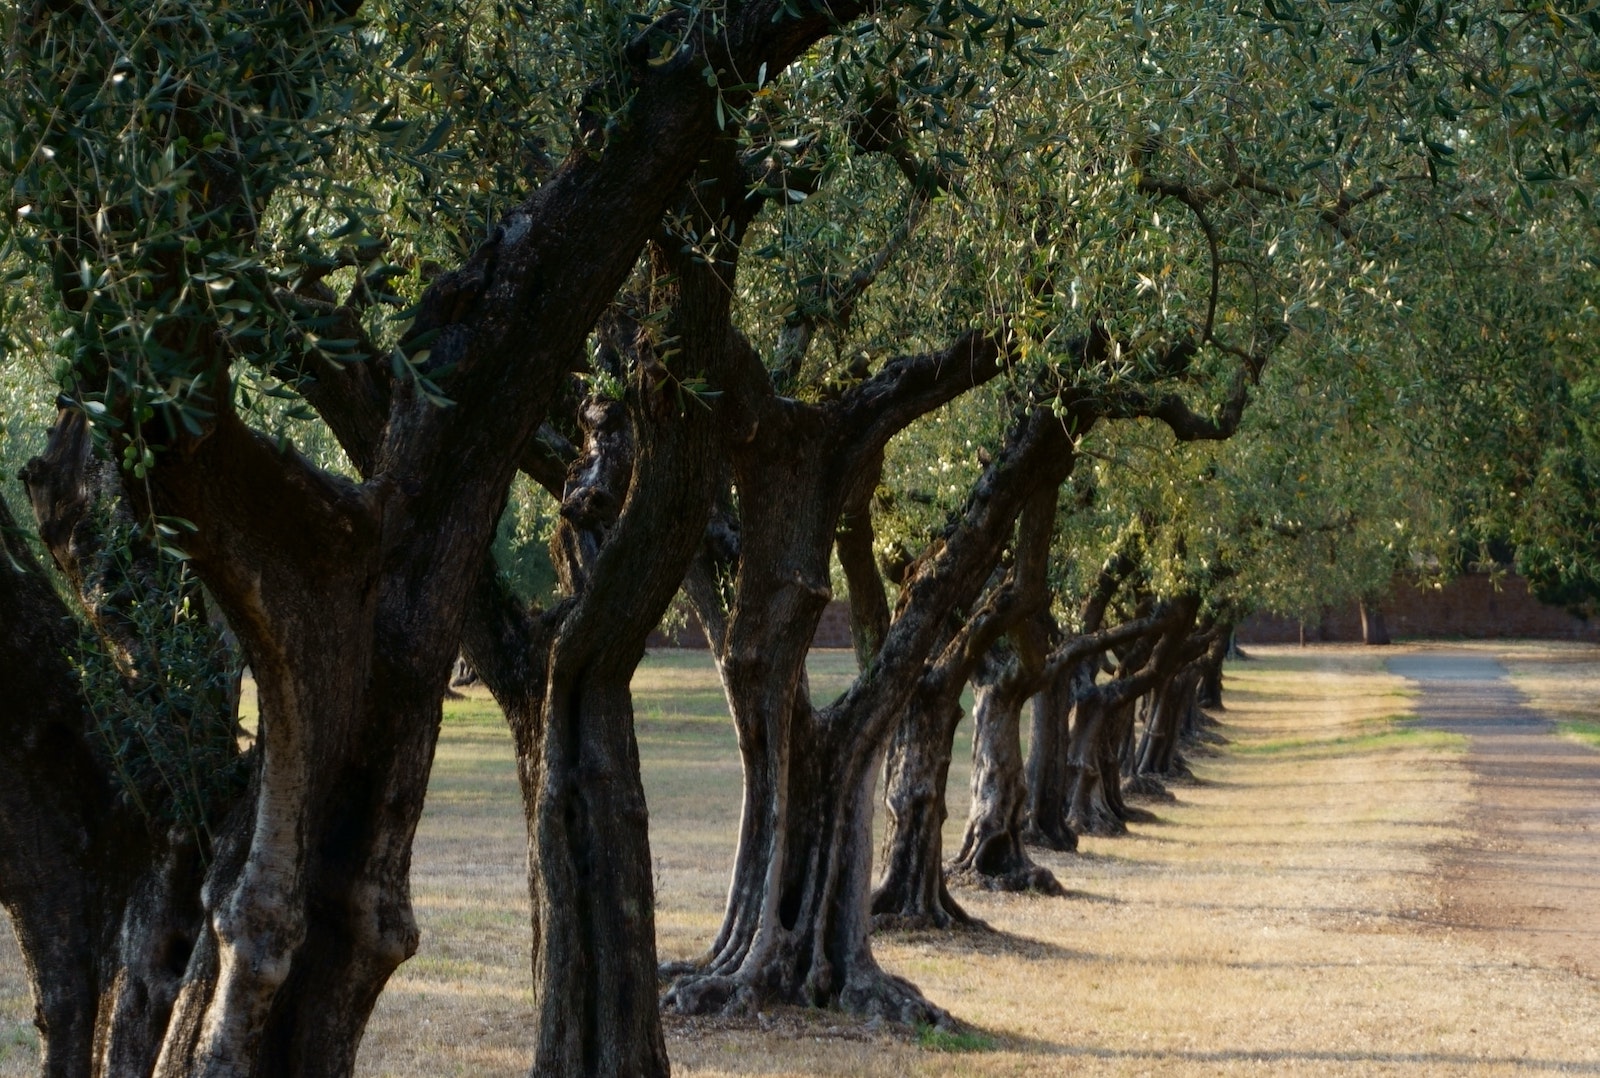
796, 929
992, 855
913, 890
1049, 774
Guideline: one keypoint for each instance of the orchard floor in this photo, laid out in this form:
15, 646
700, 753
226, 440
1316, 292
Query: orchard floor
1382, 874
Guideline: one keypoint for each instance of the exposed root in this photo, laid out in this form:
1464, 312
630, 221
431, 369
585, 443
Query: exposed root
1032, 878
872, 993
1060, 836
1148, 788
1179, 771
683, 967
1099, 824
868, 993
705, 994
928, 905
942, 920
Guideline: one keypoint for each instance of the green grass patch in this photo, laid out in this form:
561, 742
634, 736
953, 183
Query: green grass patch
473, 712
1583, 731
935, 1039
1401, 737
20, 1041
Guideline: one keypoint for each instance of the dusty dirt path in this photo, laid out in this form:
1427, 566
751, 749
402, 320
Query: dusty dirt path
1528, 877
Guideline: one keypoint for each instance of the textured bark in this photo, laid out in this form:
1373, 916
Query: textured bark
1158, 749
869, 600
913, 892
350, 601
1102, 747
349, 675
634, 508
1172, 700
1077, 791
1015, 604
1049, 777
56, 799
992, 854
796, 930
103, 896
1054, 774
1093, 808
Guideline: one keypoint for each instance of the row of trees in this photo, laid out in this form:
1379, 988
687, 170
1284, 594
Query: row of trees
1058, 340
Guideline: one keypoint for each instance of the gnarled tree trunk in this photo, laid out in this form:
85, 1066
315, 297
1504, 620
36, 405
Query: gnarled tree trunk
992, 854
1209, 693
796, 930
913, 893
1016, 603
1049, 777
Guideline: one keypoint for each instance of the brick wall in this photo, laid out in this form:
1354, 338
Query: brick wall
1475, 606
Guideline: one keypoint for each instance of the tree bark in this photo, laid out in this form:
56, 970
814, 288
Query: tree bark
992, 854
797, 923
1173, 709
1158, 749
100, 863
1374, 632
349, 599
1209, 693
913, 892
1049, 778
1054, 772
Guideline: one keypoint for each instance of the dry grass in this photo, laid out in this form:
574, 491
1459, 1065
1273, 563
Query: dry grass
1267, 925
1561, 680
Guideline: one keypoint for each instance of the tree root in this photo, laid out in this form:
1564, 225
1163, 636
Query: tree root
1031, 878
953, 919
944, 915
873, 993
868, 993
926, 905
1061, 837
1179, 771
1147, 787
711, 994
682, 967
1101, 824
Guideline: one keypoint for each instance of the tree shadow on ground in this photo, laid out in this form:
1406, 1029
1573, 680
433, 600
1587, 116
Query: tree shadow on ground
989, 941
